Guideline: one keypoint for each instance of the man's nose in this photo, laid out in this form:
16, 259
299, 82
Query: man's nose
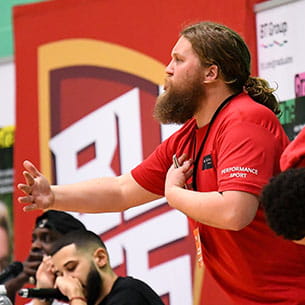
37, 246
170, 68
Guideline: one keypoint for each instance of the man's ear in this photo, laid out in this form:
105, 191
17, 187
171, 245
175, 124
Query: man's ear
100, 257
211, 74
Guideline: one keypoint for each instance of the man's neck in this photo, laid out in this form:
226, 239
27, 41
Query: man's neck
108, 281
209, 105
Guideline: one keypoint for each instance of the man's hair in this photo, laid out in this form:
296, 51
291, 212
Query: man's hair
59, 221
216, 44
283, 200
82, 239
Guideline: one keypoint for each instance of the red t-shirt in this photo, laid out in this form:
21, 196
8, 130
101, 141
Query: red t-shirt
241, 153
294, 154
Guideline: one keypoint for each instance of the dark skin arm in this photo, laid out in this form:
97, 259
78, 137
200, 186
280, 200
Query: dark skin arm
30, 265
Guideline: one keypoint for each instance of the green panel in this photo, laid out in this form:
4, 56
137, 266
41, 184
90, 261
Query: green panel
6, 35
287, 112
293, 116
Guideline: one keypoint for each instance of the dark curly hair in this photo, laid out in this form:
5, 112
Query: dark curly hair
283, 200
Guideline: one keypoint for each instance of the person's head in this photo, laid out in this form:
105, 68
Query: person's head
206, 53
50, 226
283, 200
83, 255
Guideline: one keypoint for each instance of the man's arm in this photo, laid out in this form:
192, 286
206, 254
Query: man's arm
72, 288
230, 210
108, 194
29, 270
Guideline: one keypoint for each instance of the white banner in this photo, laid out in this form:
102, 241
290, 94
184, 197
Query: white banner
281, 46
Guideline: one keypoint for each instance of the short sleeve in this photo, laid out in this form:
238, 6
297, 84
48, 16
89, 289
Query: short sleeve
294, 154
248, 155
151, 173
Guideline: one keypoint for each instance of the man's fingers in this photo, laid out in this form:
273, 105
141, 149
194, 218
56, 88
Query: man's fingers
186, 165
29, 166
28, 178
189, 173
24, 188
26, 199
182, 158
30, 207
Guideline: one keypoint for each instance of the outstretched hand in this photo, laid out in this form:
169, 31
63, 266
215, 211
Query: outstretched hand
37, 189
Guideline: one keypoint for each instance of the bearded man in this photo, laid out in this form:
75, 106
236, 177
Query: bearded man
83, 273
228, 147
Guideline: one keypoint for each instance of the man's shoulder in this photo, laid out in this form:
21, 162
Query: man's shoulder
131, 282
128, 290
244, 109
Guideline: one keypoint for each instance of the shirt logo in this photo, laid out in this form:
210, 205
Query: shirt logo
207, 162
239, 171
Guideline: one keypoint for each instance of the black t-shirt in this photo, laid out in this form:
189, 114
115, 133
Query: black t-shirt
130, 291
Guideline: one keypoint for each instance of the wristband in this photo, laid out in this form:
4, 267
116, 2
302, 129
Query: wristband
78, 298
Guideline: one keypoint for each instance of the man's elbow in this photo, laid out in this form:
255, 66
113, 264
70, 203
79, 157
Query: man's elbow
237, 222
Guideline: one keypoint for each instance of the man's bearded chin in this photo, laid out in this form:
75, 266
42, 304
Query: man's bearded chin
93, 285
176, 106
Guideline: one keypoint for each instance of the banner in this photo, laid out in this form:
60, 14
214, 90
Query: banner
281, 57
88, 73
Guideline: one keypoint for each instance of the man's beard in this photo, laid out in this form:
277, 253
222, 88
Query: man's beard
94, 285
178, 105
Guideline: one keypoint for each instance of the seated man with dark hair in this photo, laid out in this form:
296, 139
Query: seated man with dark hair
84, 275
49, 226
284, 202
